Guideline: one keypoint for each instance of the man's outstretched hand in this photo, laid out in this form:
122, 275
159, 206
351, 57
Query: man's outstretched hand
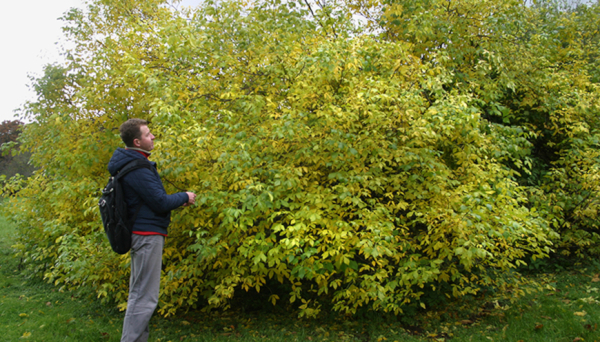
191, 199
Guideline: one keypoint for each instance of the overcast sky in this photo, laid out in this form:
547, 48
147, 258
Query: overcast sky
30, 31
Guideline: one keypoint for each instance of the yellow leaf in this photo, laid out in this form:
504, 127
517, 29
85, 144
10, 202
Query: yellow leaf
580, 313
23, 315
26, 335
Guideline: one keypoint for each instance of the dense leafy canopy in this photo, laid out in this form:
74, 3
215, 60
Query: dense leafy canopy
425, 150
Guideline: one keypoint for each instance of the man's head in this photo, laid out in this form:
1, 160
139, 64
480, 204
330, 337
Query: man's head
135, 133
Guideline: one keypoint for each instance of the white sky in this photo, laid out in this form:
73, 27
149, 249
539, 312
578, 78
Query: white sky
29, 31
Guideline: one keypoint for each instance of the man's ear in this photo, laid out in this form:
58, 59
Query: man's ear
136, 142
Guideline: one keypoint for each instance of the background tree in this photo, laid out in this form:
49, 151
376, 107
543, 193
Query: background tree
12, 163
9, 130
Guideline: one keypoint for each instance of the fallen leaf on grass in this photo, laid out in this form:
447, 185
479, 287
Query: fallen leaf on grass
546, 317
590, 327
539, 326
466, 322
596, 278
185, 322
48, 304
26, 335
23, 315
580, 313
577, 339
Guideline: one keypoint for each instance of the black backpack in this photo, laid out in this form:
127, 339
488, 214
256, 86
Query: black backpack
113, 209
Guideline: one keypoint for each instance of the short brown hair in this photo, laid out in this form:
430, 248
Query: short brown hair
131, 129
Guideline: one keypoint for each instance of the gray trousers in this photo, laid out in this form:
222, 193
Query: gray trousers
144, 286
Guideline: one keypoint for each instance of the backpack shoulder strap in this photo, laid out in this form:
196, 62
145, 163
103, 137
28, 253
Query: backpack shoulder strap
133, 165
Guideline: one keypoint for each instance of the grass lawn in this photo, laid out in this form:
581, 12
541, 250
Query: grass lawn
568, 309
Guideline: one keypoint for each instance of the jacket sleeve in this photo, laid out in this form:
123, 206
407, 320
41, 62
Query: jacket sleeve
147, 184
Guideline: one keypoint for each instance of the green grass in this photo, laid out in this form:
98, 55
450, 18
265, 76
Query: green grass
567, 309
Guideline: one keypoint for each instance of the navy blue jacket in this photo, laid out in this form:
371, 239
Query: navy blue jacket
144, 185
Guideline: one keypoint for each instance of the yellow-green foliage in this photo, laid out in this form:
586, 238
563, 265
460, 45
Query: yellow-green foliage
356, 166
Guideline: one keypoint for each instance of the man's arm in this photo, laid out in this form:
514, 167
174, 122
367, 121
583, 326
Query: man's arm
151, 190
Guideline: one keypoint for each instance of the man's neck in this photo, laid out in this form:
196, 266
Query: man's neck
144, 152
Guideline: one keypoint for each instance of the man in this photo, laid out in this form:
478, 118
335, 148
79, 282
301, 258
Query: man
149, 228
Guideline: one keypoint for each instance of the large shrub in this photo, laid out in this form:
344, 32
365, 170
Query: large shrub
355, 166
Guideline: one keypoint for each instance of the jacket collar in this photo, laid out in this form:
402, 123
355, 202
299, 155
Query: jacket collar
143, 152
